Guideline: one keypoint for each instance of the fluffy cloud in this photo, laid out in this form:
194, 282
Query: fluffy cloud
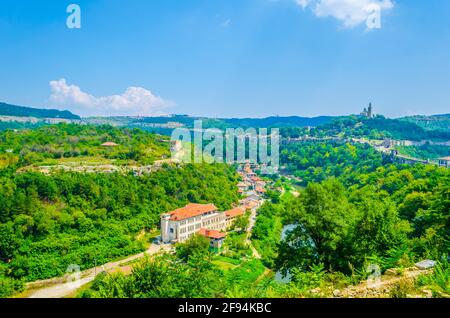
350, 12
135, 101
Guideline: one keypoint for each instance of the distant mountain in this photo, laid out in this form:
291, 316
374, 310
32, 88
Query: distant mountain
291, 121
21, 111
188, 121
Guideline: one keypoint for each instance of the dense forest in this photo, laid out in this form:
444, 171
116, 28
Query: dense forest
50, 221
353, 214
435, 122
317, 161
426, 151
393, 215
14, 125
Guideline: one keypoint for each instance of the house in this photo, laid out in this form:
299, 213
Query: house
109, 144
215, 237
253, 197
180, 224
242, 186
249, 205
232, 215
260, 184
444, 162
260, 190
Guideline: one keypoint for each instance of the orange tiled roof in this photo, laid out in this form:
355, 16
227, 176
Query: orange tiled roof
250, 205
234, 212
191, 210
211, 233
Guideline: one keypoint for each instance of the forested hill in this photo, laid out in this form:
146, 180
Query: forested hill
78, 145
276, 121
374, 128
174, 121
21, 111
441, 122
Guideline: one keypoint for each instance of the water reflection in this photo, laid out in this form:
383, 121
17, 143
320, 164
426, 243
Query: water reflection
279, 276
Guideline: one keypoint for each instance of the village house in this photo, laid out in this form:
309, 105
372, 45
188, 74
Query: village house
260, 190
249, 204
242, 187
232, 215
216, 238
180, 224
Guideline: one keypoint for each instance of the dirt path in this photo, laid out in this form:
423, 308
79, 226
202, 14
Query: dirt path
252, 222
60, 287
382, 287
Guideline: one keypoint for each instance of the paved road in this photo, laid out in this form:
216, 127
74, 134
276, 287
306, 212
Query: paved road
58, 289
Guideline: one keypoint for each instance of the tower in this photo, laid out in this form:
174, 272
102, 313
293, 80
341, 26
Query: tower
370, 111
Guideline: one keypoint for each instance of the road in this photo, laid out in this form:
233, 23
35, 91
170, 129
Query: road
252, 222
60, 288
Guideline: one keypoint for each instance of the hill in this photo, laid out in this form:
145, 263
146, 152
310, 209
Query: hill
72, 144
21, 111
439, 122
165, 124
375, 128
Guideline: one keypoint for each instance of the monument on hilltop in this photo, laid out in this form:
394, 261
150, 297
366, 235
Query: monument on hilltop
368, 112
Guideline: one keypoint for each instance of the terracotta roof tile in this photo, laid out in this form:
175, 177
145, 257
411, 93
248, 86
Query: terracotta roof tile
234, 212
211, 233
191, 210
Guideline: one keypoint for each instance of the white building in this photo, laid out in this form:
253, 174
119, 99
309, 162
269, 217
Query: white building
182, 223
444, 162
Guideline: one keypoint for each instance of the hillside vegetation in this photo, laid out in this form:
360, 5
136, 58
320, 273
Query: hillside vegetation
51, 144
21, 111
48, 222
375, 128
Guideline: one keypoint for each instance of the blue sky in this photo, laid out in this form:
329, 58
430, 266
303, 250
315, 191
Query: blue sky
226, 58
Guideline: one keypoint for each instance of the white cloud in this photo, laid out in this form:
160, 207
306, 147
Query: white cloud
350, 12
135, 101
303, 3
